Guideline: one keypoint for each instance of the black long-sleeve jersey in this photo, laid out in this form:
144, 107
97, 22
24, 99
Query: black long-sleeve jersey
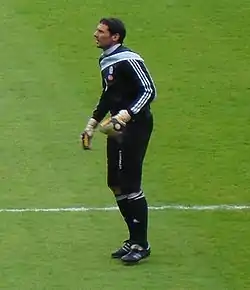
127, 84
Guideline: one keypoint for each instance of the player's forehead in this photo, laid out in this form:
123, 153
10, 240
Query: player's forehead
102, 27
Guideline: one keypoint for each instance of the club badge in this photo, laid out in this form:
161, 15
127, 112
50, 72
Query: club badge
111, 70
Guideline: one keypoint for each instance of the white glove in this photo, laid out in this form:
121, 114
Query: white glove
88, 133
113, 126
122, 117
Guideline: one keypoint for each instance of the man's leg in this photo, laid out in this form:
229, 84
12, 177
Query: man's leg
134, 148
113, 180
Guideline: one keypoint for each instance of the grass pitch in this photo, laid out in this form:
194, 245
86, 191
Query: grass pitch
198, 54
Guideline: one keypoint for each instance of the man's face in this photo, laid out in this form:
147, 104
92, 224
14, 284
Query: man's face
103, 37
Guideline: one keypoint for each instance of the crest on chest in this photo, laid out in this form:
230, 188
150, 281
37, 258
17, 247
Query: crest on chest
109, 73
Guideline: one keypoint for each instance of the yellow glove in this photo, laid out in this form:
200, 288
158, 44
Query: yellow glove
88, 133
113, 126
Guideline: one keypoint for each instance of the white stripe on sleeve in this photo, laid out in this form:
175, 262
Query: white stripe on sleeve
148, 90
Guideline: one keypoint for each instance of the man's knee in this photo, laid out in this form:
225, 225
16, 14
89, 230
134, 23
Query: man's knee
128, 188
115, 189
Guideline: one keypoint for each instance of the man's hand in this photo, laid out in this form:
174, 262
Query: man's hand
87, 135
113, 126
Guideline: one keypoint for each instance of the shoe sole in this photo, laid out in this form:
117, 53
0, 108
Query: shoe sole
117, 257
114, 256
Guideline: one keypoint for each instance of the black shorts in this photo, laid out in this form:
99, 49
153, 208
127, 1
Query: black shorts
125, 157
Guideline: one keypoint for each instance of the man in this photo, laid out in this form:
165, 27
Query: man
128, 90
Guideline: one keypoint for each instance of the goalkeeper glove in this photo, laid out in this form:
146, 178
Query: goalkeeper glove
88, 133
113, 126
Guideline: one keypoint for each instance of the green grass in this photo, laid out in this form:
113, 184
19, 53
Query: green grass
198, 54
69, 251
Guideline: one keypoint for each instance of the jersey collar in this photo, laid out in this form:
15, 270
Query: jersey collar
111, 49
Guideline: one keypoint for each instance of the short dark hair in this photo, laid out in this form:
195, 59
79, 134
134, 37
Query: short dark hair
115, 25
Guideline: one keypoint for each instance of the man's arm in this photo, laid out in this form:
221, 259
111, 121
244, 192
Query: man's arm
147, 90
102, 107
98, 114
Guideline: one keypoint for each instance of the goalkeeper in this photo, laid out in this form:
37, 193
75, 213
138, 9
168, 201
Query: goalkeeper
128, 90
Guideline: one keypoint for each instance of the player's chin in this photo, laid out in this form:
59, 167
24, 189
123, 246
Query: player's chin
98, 44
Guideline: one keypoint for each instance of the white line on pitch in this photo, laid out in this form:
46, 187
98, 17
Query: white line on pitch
219, 207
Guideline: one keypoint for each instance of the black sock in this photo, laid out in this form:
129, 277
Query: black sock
138, 209
123, 205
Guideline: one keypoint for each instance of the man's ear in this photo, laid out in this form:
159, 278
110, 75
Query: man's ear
116, 37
